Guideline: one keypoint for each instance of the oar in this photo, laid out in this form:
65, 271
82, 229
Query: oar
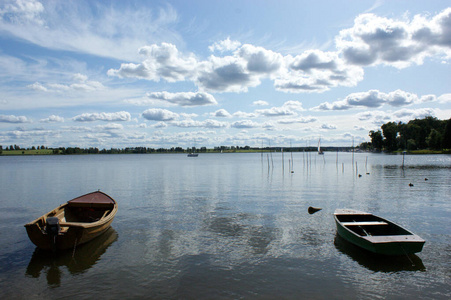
312, 210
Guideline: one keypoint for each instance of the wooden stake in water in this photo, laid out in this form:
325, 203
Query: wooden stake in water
403, 153
283, 163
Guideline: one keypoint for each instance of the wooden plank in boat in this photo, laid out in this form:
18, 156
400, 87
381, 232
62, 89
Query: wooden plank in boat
364, 223
393, 238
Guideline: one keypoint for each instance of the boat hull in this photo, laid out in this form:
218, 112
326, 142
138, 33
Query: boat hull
73, 232
391, 240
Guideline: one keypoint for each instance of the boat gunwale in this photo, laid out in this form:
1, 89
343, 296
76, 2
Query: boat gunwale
102, 220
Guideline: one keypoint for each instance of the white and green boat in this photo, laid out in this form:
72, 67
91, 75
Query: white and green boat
376, 234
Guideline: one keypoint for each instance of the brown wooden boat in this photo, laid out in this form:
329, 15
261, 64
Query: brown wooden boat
73, 223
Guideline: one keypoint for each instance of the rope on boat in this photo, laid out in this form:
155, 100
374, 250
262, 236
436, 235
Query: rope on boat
408, 257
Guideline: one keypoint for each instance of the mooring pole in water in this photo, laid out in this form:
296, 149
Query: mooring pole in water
403, 153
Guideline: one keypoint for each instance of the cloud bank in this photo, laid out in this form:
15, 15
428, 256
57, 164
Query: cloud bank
372, 41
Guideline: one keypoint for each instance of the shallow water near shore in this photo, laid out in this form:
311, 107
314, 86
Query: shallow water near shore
228, 226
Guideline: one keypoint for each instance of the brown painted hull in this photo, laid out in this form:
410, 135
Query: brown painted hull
73, 231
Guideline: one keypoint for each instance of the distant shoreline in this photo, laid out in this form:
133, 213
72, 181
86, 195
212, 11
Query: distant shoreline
28, 152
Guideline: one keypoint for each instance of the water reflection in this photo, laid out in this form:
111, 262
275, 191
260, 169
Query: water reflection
244, 228
379, 263
84, 257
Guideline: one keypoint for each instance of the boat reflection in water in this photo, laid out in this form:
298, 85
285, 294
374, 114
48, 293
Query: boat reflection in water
379, 262
84, 257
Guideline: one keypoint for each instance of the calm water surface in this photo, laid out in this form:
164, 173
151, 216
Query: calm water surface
227, 226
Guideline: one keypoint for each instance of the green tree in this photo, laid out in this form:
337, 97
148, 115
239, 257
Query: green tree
446, 144
376, 139
411, 145
390, 132
434, 140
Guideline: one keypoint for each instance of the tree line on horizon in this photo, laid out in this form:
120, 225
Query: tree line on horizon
428, 133
419, 134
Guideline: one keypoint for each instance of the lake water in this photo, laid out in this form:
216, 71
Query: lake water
227, 226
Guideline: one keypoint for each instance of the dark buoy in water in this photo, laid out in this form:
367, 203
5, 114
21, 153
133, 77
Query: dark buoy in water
426, 179
411, 184
312, 210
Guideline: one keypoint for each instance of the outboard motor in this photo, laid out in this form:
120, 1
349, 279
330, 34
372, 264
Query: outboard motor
52, 226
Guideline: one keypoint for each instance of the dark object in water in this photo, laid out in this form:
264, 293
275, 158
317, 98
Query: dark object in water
312, 210
411, 184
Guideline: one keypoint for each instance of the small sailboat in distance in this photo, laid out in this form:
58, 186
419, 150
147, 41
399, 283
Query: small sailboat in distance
193, 152
320, 152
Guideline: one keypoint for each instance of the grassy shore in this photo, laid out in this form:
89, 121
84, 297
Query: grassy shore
28, 152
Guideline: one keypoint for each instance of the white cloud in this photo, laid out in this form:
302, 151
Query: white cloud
225, 45
289, 108
225, 74
184, 99
276, 112
161, 62
214, 124
245, 124
158, 114
109, 127
81, 84
300, 120
402, 115
37, 87
81, 27
53, 119
188, 116
260, 60
160, 125
23, 12
244, 115
372, 40
90, 117
317, 71
445, 98
328, 126
375, 99
222, 113
260, 103
399, 43
14, 119
202, 124
409, 114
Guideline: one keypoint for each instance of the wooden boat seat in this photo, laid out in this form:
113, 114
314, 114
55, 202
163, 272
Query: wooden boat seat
365, 223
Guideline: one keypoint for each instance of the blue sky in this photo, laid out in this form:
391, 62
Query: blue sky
172, 73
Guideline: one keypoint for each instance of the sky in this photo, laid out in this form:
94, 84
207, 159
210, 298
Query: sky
116, 74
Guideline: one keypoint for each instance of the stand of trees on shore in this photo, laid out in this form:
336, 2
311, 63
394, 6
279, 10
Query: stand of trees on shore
429, 133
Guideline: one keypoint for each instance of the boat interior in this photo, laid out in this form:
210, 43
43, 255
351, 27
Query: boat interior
369, 225
77, 213
86, 212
